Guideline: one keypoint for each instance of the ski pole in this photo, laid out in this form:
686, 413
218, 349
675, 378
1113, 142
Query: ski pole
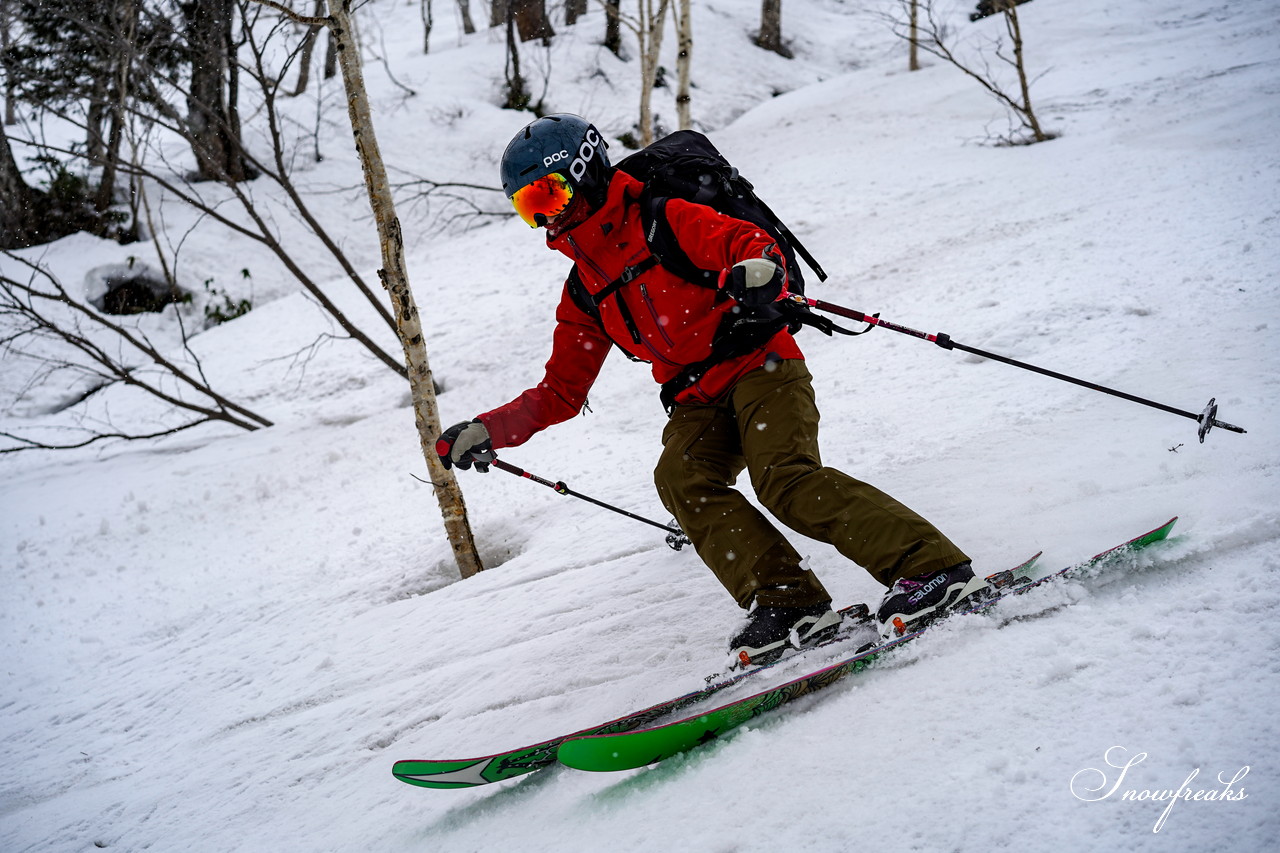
1207, 419
676, 537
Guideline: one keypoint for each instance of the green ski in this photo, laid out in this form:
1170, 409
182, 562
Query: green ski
625, 751
470, 772
487, 769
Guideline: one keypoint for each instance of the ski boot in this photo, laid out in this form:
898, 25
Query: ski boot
912, 603
770, 631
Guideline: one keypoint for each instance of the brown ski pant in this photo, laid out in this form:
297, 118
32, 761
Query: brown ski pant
768, 425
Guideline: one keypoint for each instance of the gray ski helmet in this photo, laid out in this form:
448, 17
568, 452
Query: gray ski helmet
562, 143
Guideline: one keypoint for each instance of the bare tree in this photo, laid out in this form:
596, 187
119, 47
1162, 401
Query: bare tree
231, 205
254, 222
934, 37
913, 36
518, 96
530, 18
428, 21
684, 58
613, 26
770, 35
464, 9
62, 335
651, 23
6, 38
19, 219
308, 50
395, 279
648, 27
125, 24
212, 102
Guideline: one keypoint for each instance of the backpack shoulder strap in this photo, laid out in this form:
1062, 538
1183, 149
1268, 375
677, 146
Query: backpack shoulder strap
580, 295
663, 244
590, 304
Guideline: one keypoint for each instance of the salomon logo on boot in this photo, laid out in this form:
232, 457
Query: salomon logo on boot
912, 603
919, 595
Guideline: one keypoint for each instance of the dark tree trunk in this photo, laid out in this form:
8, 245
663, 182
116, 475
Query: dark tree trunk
517, 92
468, 26
307, 52
613, 27
532, 21
331, 58
124, 33
10, 107
95, 117
573, 10
107, 186
211, 115
770, 37
19, 222
530, 17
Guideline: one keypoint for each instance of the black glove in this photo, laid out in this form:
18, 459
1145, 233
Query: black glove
757, 281
466, 443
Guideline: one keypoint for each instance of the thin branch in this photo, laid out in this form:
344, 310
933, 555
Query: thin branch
305, 20
112, 365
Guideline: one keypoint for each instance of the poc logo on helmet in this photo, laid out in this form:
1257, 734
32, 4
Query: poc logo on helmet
586, 151
555, 158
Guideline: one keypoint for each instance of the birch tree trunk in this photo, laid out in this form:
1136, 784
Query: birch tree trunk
649, 33
684, 56
396, 280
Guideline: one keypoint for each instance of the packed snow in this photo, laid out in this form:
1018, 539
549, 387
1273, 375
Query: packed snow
222, 640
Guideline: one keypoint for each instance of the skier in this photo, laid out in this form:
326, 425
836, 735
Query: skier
749, 405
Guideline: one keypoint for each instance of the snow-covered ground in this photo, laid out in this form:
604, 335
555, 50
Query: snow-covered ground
222, 641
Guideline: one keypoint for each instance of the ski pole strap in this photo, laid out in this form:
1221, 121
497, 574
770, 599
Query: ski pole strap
941, 340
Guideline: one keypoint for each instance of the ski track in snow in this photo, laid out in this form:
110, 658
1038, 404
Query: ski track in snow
223, 641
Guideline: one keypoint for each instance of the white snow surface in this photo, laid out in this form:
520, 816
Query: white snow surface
222, 641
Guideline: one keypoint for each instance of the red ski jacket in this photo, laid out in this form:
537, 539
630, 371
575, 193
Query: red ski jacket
672, 321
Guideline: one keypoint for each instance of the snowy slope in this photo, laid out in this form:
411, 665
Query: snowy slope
223, 641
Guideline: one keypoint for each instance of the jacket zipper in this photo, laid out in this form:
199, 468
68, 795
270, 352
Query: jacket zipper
653, 312
643, 341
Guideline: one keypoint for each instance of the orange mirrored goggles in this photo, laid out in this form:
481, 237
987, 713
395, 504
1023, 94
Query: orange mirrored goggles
548, 196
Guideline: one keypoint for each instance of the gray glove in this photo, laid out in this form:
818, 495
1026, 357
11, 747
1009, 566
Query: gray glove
465, 444
756, 281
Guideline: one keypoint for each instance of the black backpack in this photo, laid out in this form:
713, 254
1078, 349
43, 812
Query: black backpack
687, 166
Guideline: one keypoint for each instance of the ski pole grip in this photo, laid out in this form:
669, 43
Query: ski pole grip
504, 466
